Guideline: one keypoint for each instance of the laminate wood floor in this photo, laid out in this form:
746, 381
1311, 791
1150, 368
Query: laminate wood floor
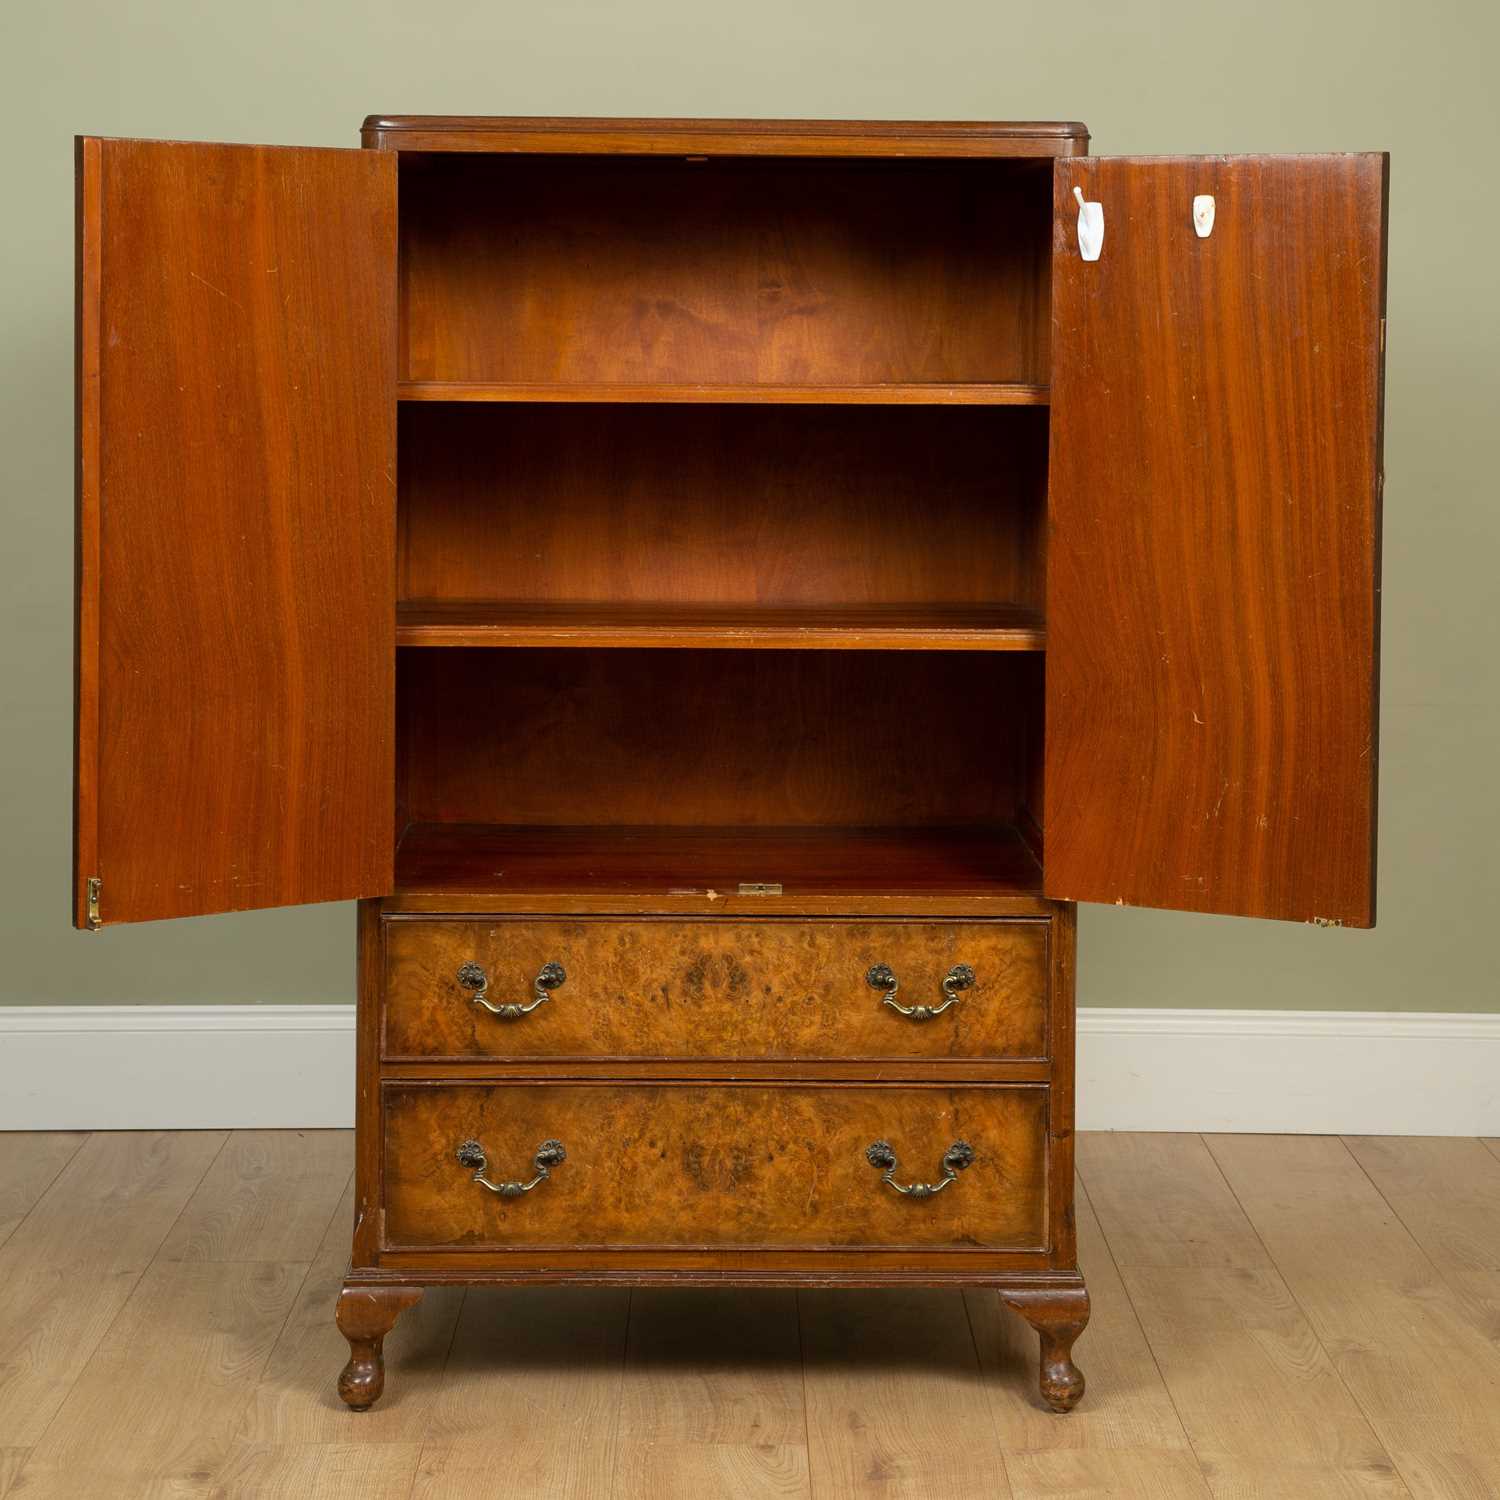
1290, 1316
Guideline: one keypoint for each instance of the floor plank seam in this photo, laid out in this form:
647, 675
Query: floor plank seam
1359, 1406
1135, 1317
614, 1484
47, 1187
129, 1296
282, 1327
425, 1441
989, 1406
1439, 1271
802, 1371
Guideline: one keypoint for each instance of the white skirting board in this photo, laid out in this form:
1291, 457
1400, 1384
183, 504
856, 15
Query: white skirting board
187, 1067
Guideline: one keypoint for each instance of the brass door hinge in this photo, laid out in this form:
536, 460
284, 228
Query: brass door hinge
760, 888
94, 920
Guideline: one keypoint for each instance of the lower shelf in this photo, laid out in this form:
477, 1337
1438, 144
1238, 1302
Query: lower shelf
472, 859
902, 627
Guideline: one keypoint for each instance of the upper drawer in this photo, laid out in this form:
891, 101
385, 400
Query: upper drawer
762, 987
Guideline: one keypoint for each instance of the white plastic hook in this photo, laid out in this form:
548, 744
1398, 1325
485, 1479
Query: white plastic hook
1203, 215
1090, 226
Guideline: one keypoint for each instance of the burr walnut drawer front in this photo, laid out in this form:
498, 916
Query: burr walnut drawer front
763, 987
681, 1166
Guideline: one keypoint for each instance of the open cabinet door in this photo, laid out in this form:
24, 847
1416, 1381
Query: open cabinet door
236, 528
1214, 553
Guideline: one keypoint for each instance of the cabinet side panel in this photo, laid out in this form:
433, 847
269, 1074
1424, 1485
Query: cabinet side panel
1213, 565
246, 533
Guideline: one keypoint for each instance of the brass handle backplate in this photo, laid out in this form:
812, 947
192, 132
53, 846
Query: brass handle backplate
548, 1155
880, 1156
882, 977
549, 977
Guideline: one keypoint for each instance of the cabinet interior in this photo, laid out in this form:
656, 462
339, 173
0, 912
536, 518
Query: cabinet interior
722, 524
769, 272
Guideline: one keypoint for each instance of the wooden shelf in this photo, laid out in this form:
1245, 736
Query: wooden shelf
480, 859
919, 394
899, 627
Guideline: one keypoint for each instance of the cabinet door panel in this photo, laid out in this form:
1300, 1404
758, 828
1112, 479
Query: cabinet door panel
236, 527
1213, 564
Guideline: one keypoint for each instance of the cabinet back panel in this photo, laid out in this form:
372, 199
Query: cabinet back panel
723, 504
774, 272
715, 738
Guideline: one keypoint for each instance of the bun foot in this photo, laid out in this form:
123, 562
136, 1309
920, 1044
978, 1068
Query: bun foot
1058, 1316
1062, 1381
365, 1314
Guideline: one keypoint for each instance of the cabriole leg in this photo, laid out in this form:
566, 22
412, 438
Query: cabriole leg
1059, 1316
365, 1315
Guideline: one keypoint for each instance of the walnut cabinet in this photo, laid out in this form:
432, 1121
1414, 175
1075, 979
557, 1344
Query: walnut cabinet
718, 593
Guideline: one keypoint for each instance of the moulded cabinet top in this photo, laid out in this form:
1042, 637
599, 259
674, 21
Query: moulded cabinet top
630, 137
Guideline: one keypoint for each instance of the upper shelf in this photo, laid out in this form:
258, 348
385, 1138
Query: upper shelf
905, 394
868, 627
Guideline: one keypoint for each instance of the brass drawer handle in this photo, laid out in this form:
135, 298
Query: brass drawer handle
548, 1155
880, 1156
882, 977
549, 977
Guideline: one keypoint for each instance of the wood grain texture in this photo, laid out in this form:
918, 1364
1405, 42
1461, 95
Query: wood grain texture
1084, 1474
1402, 1340
1193, 1223
68, 1269
153, 1413
646, 137
894, 1404
1214, 562
318, 1471
268, 1196
1447, 1195
698, 393
11, 1462
728, 1165
746, 627
1256, 1390
717, 507
712, 1401
699, 989
713, 739
530, 1398
635, 270
29, 1163
1446, 1192
1452, 1476
239, 491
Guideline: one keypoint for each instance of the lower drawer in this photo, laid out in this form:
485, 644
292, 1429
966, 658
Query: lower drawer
716, 1166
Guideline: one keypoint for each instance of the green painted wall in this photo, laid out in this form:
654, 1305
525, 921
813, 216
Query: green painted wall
1280, 75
